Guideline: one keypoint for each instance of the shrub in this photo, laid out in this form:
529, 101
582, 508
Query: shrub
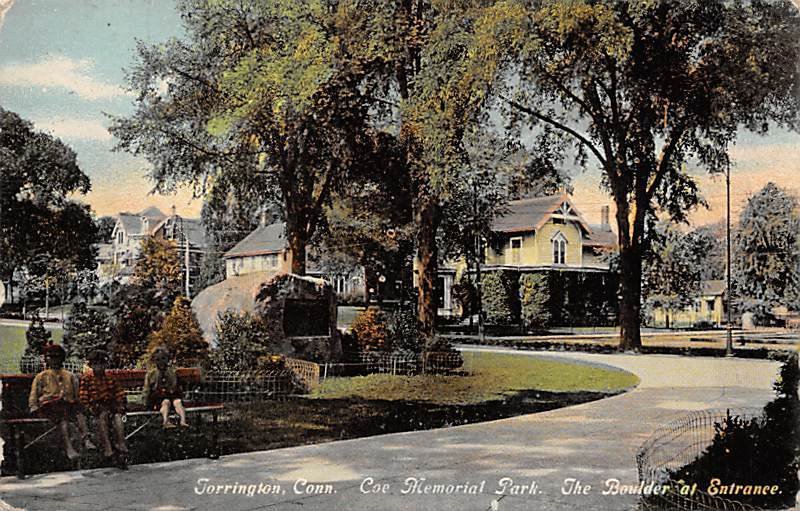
535, 301
403, 331
443, 356
466, 294
501, 297
86, 330
37, 337
759, 451
241, 339
371, 331
180, 333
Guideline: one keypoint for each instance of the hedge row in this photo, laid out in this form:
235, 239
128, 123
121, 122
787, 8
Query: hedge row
538, 300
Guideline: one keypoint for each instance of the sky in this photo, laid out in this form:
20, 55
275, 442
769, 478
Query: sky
62, 67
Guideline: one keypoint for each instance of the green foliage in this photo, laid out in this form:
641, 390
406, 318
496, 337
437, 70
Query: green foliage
466, 294
105, 228
39, 224
674, 267
501, 297
758, 451
141, 305
86, 330
644, 88
180, 333
767, 252
535, 301
241, 339
159, 267
371, 331
402, 326
37, 337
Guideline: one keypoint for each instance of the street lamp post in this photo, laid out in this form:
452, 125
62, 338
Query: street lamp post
729, 333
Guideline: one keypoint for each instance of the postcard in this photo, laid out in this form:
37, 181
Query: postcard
399, 254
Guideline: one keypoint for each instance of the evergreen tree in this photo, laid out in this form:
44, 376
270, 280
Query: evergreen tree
142, 304
86, 330
37, 337
180, 333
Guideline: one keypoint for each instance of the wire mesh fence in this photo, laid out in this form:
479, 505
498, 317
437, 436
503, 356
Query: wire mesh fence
405, 364
33, 364
676, 445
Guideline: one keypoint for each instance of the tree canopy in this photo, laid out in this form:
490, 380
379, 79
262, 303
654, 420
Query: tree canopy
767, 248
39, 223
644, 90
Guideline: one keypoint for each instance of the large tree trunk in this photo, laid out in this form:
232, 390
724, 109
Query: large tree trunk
630, 301
427, 220
297, 247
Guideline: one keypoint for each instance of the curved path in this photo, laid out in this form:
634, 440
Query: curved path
591, 442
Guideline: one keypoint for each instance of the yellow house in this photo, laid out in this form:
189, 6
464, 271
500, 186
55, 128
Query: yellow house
540, 234
709, 308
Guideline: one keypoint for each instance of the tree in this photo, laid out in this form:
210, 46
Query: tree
141, 305
296, 119
535, 301
38, 221
159, 268
241, 338
673, 268
644, 88
766, 250
105, 228
86, 330
308, 94
36, 337
180, 333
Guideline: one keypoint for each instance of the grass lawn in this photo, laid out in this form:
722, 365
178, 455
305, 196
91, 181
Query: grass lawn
491, 376
12, 345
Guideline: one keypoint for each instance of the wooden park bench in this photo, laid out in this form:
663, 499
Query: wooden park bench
17, 419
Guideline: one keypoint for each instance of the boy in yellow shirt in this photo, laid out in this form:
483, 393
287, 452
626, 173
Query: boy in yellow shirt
54, 395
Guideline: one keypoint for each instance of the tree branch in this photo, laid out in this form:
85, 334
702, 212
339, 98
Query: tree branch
664, 159
583, 140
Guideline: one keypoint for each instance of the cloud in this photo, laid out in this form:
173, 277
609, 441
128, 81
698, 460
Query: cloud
74, 129
59, 72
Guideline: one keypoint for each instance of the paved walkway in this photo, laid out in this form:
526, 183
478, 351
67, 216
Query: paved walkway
591, 442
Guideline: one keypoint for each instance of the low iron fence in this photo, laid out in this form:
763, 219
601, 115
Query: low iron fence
406, 364
677, 444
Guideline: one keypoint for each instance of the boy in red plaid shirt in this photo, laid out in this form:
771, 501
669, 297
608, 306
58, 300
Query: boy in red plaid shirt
105, 399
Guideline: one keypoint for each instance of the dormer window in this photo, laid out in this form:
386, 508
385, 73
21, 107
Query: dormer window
559, 248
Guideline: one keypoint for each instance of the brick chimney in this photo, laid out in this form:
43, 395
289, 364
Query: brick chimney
604, 217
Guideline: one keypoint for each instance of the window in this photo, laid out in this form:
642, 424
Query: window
559, 249
516, 248
120, 237
341, 284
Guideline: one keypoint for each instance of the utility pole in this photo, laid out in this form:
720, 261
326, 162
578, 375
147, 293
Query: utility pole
729, 333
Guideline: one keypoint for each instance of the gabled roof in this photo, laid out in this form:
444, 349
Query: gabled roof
266, 239
531, 214
132, 222
192, 227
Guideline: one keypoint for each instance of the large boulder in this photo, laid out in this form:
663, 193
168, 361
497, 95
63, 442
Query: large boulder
300, 312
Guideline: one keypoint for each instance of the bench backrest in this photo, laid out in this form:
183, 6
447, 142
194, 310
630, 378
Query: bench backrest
15, 388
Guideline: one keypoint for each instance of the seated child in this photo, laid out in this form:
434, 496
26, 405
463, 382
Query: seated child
101, 395
54, 395
161, 388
